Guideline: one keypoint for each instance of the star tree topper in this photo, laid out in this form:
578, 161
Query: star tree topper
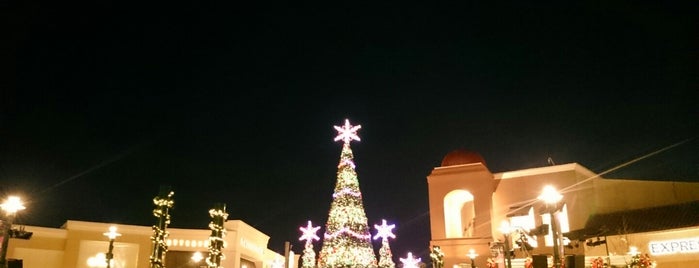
410, 261
384, 231
309, 233
347, 132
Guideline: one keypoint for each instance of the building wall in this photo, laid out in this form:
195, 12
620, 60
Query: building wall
584, 194
72, 245
618, 248
46, 242
617, 195
478, 181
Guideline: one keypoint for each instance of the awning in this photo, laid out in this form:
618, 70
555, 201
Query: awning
639, 221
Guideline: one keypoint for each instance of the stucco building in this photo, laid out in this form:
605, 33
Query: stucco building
598, 216
80, 244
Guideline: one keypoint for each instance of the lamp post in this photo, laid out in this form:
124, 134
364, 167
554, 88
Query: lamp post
472, 255
10, 206
551, 197
506, 230
112, 234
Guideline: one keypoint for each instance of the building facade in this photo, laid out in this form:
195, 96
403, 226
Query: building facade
80, 244
598, 217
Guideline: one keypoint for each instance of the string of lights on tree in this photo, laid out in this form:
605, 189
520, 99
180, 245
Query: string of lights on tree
163, 203
347, 239
218, 216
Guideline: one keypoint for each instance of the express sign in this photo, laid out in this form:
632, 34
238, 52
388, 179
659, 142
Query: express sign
687, 245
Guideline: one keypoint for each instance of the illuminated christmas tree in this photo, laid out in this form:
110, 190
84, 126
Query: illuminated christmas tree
410, 261
347, 240
385, 255
309, 256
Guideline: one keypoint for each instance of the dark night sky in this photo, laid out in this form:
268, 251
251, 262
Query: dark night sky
104, 101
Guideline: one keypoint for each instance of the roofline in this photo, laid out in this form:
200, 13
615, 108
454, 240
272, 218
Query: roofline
103, 227
545, 170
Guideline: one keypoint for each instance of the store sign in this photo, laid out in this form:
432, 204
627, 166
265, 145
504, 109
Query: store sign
251, 246
686, 245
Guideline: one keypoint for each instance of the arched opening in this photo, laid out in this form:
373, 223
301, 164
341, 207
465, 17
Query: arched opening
459, 214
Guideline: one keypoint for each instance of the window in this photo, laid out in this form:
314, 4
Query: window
459, 214
562, 216
522, 224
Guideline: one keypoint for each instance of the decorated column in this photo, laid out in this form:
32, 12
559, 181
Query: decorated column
163, 203
218, 232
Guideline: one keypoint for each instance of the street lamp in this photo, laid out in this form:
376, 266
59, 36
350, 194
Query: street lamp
551, 197
112, 234
472, 255
197, 257
506, 230
10, 206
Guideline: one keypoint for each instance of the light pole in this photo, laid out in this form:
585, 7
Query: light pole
551, 197
10, 206
506, 230
112, 234
472, 255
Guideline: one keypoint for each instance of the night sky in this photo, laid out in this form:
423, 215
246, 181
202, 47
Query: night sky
102, 102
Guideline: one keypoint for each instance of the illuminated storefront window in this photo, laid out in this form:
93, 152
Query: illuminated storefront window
523, 224
562, 221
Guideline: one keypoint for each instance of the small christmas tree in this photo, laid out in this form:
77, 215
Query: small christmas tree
410, 261
347, 240
309, 256
385, 255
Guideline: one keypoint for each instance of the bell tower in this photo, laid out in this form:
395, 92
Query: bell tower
460, 198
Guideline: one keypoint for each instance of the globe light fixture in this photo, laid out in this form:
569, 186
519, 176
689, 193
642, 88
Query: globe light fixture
11, 206
197, 257
551, 197
472, 255
112, 234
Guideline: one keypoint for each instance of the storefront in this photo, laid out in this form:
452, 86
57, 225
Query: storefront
80, 244
469, 206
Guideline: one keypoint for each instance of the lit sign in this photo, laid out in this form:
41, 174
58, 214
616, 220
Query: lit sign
251, 246
687, 245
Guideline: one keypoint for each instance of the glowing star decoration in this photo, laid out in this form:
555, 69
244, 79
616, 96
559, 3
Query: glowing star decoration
309, 233
384, 231
347, 132
410, 262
